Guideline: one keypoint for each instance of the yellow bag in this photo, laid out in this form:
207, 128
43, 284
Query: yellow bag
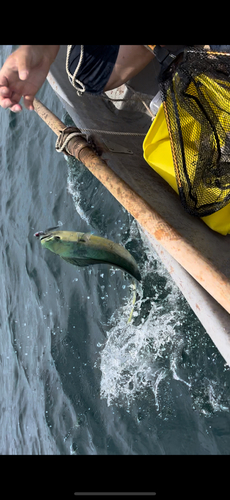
158, 154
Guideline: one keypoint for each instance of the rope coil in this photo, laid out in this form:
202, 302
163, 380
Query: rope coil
64, 137
77, 84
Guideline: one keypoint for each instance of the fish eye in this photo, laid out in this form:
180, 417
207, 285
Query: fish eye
57, 238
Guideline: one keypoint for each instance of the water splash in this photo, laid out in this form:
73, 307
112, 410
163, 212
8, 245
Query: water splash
141, 359
136, 358
140, 355
76, 171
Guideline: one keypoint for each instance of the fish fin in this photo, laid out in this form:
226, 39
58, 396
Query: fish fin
81, 262
85, 237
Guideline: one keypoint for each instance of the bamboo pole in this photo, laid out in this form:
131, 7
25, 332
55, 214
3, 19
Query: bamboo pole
198, 266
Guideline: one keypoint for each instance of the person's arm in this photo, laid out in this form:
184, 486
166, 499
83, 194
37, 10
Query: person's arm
23, 73
130, 61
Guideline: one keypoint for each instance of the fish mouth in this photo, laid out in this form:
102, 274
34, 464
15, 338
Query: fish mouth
41, 235
45, 234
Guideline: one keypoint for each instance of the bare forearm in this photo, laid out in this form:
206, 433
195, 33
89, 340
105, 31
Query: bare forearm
130, 61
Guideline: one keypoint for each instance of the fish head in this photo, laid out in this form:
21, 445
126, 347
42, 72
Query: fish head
52, 239
59, 242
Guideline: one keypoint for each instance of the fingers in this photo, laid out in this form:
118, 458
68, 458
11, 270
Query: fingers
5, 97
23, 63
23, 73
12, 102
23, 58
28, 102
12, 76
16, 108
3, 83
10, 99
4, 89
8, 103
5, 92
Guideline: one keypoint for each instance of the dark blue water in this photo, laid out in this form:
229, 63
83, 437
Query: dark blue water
75, 379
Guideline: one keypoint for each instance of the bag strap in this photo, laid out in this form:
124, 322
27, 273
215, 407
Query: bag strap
163, 55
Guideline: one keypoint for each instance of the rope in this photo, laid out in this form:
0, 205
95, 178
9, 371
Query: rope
110, 132
72, 78
70, 132
62, 142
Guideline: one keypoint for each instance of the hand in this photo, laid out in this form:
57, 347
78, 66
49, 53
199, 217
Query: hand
23, 73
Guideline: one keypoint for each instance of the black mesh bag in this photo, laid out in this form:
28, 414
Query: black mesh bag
195, 87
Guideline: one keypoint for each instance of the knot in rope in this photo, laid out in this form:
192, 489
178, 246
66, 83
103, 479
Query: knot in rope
64, 137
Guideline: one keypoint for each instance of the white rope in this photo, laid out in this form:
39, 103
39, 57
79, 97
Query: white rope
72, 78
60, 148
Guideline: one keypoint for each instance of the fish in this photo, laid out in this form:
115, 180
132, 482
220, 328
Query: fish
85, 249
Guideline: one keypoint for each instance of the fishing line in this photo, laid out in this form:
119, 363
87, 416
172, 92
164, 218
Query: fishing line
134, 287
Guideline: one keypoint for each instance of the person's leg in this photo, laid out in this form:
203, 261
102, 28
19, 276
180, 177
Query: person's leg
130, 61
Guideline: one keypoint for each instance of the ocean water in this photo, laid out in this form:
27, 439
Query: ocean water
75, 378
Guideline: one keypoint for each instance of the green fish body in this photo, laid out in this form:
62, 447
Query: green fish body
84, 249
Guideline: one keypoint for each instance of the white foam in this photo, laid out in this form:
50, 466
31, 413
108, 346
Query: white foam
140, 359
73, 185
133, 357
141, 355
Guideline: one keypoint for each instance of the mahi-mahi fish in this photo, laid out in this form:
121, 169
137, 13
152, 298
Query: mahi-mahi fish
84, 249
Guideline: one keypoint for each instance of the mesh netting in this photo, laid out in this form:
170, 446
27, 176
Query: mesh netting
196, 94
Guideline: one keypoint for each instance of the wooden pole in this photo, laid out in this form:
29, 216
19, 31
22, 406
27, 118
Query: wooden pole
198, 266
